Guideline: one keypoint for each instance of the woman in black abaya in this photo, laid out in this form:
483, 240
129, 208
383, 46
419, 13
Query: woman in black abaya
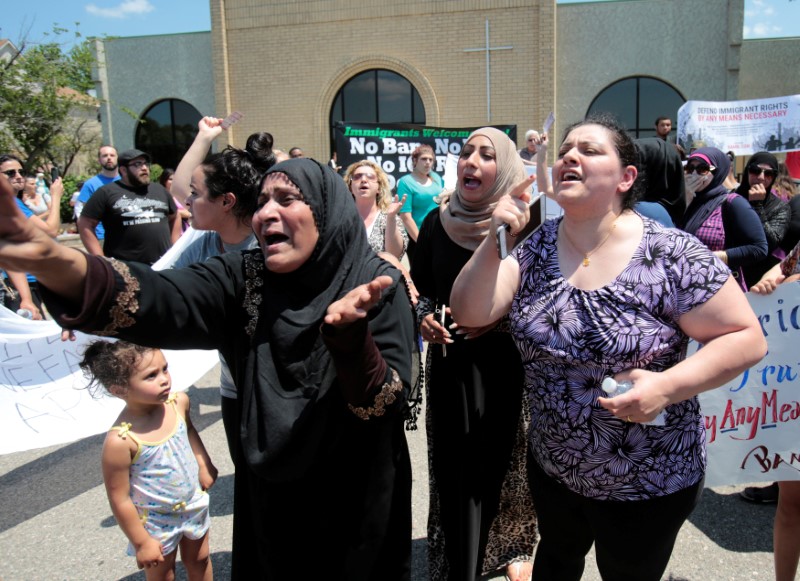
481, 516
318, 334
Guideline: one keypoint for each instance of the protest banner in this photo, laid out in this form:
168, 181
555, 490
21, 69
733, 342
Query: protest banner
390, 144
743, 127
753, 422
43, 396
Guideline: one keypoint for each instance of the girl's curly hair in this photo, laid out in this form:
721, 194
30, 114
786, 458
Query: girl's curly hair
110, 364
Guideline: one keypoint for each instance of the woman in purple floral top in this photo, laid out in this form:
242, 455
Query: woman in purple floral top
603, 292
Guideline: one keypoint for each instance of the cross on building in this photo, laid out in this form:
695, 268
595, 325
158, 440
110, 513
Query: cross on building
487, 49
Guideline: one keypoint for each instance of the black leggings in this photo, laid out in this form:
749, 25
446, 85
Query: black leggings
633, 540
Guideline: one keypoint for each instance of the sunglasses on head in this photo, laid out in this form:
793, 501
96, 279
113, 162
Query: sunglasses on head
701, 168
12, 172
757, 171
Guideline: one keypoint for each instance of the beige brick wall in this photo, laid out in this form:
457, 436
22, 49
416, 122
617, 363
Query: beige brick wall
769, 68
285, 61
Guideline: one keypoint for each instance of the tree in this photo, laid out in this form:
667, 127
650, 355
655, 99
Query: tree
40, 88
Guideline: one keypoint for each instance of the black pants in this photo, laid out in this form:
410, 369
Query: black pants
633, 540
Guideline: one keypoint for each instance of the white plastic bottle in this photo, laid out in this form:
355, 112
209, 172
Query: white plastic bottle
25, 313
613, 388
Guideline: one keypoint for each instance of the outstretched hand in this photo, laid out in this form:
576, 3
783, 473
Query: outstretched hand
513, 209
19, 239
396, 204
355, 304
24, 247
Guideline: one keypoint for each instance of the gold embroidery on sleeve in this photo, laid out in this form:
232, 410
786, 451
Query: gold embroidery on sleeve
125, 302
254, 267
385, 398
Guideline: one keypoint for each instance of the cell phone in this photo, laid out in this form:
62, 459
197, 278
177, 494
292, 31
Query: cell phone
444, 321
538, 217
231, 119
53, 174
548, 123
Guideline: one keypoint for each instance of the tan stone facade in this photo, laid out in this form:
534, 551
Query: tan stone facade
282, 63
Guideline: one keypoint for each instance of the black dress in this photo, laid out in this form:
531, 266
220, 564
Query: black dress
481, 515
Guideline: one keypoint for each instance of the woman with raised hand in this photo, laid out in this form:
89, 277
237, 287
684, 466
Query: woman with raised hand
481, 519
370, 188
757, 187
319, 335
223, 189
603, 292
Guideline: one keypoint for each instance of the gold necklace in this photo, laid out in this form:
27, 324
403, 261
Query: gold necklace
585, 262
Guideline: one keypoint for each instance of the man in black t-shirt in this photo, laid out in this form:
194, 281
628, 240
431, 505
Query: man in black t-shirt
139, 217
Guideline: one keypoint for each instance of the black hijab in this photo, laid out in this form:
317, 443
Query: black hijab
287, 400
756, 159
708, 199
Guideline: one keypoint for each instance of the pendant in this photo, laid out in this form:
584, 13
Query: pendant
585, 261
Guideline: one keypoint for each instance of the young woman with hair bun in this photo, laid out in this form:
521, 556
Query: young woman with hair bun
221, 192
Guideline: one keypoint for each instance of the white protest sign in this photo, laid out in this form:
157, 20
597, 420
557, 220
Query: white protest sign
171, 256
43, 400
753, 422
743, 127
450, 172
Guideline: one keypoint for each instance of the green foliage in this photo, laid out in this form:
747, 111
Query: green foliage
70, 187
67, 214
35, 109
71, 184
79, 67
155, 172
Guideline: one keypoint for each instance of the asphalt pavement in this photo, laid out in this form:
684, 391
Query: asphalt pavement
55, 522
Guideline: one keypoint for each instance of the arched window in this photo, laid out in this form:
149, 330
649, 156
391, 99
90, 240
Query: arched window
166, 131
637, 102
378, 96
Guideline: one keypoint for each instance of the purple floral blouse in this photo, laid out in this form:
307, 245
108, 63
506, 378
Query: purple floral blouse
570, 339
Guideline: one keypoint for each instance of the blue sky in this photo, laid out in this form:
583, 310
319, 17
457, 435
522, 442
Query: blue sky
33, 19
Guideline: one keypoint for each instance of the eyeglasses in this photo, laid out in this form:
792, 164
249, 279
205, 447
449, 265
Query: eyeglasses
12, 172
754, 170
138, 164
701, 168
370, 177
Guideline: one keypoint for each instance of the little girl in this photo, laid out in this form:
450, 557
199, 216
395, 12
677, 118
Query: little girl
155, 467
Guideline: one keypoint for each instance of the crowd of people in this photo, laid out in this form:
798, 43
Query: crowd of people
318, 290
